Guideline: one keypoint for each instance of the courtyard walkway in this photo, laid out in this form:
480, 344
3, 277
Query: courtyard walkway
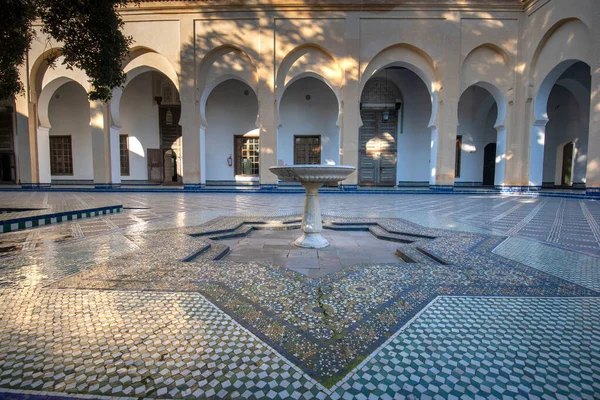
492, 296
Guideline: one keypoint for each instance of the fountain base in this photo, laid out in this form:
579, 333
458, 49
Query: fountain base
311, 240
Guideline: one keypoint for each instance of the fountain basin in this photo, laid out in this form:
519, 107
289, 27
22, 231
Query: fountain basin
312, 178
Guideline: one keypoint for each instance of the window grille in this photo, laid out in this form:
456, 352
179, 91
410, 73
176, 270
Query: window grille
247, 152
307, 149
61, 155
124, 154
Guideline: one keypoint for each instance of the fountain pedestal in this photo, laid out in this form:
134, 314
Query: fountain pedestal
312, 225
312, 178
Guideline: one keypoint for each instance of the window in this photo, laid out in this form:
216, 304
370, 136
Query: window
307, 149
457, 157
247, 152
61, 155
124, 154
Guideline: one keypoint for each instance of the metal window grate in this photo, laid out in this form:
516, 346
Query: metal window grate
307, 149
61, 155
247, 152
124, 154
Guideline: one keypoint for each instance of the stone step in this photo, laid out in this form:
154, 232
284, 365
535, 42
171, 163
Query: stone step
414, 236
217, 231
283, 227
216, 252
346, 227
240, 231
414, 255
382, 234
198, 253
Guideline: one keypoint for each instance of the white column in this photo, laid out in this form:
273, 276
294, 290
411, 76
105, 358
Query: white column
500, 156
24, 154
502, 138
536, 153
593, 153
433, 156
350, 118
202, 154
443, 143
443, 135
517, 169
105, 147
193, 171
43, 153
115, 155
267, 106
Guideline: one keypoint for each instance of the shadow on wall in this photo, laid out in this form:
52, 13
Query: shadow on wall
255, 67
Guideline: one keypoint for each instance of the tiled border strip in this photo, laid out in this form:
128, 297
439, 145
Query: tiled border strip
17, 224
589, 195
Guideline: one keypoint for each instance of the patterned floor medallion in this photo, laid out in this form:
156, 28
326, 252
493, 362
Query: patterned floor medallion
327, 325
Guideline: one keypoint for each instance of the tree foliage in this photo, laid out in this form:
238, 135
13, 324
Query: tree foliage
89, 32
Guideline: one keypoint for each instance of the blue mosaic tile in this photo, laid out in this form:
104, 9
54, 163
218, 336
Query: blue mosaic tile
326, 325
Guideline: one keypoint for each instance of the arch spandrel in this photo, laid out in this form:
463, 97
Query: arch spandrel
309, 58
487, 63
567, 41
221, 64
314, 61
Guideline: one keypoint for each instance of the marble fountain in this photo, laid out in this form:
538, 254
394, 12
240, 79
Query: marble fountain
312, 177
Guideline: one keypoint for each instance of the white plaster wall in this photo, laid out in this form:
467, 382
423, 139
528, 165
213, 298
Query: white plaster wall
564, 126
414, 139
70, 115
317, 116
139, 119
229, 112
477, 113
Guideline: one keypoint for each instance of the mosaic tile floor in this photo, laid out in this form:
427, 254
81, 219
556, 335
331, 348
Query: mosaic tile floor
484, 317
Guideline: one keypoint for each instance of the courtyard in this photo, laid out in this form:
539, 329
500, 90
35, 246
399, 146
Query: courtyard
203, 295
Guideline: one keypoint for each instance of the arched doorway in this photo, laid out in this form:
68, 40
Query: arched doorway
149, 112
232, 149
476, 138
70, 135
308, 133
561, 132
380, 104
395, 138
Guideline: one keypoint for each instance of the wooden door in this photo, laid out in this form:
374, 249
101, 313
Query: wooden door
567, 165
489, 164
170, 139
378, 149
155, 165
367, 164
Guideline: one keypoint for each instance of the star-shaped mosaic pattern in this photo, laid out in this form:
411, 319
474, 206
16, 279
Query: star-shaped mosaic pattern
329, 325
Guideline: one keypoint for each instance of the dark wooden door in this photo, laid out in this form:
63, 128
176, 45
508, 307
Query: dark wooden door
567, 165
489, 164
7, 167
155, 165
170, 139
378, 149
